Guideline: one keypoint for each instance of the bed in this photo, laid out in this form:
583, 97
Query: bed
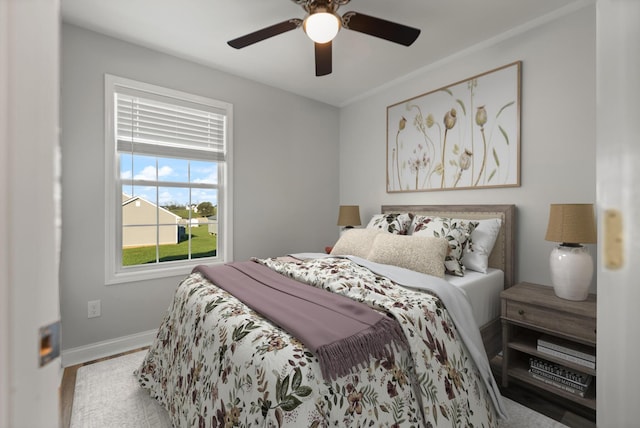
485, 296
216, 362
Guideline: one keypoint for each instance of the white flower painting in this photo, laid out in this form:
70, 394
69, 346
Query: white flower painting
463, 136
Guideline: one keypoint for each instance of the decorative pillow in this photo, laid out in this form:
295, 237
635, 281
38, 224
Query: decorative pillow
397, 223
456, 231
355, 242
479, 247
424, 254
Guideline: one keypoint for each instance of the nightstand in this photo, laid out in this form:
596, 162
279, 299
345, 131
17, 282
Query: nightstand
534, 319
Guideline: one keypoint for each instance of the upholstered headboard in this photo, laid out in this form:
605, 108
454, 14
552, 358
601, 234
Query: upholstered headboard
503, 255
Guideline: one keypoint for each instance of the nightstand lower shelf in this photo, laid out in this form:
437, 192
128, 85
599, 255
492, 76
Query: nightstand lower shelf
521, 378
523, 375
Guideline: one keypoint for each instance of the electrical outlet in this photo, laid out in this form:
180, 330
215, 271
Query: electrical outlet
93, 309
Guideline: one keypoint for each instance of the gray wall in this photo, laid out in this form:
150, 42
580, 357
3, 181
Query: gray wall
557, 132
285, 177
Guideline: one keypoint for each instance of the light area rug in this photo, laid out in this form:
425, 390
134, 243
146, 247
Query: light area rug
107, 395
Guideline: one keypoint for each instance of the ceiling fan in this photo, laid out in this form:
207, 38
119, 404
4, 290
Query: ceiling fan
322, 23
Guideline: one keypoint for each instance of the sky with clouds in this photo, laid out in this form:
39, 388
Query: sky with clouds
177, 172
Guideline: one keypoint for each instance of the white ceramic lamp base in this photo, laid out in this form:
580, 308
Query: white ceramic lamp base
571, 272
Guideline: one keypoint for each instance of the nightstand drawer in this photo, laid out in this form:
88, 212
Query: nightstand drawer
560, 322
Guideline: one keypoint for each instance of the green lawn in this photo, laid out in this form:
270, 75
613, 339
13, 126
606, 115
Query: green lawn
202, 245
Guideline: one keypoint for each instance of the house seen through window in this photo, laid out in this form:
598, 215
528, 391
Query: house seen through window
164, 222
170, 169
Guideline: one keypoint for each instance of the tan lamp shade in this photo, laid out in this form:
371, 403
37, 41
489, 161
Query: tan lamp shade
571, 224
349, 215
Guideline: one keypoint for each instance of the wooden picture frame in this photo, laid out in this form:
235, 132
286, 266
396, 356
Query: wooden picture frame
462, 136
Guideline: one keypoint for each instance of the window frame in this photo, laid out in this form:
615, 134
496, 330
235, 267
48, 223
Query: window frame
115, 273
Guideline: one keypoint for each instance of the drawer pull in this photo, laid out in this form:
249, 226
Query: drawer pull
520, 311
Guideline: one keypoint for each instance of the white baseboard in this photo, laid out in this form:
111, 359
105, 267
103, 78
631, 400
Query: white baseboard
82, 354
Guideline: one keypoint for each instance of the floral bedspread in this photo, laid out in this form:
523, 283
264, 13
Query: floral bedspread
217, 363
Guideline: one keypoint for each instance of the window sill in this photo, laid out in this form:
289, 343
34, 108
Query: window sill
135, 274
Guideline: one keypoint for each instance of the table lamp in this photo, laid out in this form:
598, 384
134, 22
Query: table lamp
571, 264
349, 216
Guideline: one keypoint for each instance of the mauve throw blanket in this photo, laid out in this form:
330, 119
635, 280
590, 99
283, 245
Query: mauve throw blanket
341, 332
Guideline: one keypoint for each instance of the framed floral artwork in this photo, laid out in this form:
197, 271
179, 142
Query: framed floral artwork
462, 136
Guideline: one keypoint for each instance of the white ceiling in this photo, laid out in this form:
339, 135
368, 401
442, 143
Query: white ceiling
198, 30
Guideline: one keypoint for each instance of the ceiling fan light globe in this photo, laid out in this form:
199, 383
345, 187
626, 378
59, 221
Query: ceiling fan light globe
321, 27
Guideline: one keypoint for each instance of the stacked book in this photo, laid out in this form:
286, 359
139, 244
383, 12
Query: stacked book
569, 351
560, 376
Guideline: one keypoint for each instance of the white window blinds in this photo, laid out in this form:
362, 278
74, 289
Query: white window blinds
147, 123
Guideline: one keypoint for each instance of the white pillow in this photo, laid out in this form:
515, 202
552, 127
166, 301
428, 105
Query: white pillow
479, 247
419, 253
355, 242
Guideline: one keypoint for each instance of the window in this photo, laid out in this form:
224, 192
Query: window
168, 188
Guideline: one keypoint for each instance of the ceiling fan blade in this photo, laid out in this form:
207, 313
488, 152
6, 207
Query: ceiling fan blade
382, 28
265, 33
323, 58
